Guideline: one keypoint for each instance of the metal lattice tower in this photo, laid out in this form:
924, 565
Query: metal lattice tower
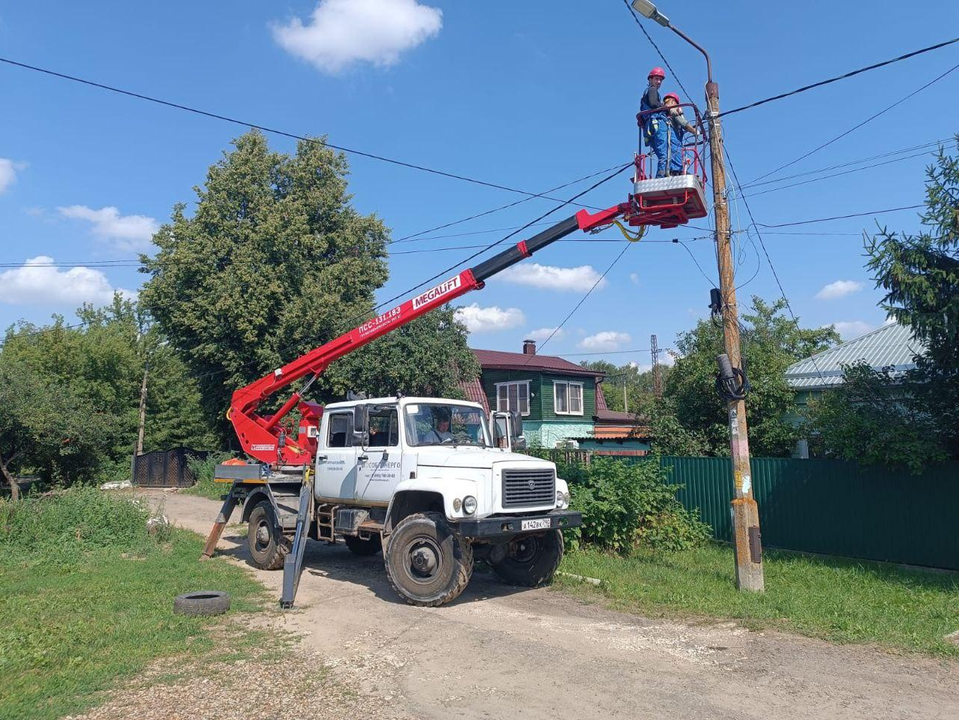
655, 359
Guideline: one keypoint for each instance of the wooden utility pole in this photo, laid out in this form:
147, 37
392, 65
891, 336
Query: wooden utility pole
143, 410
746, 518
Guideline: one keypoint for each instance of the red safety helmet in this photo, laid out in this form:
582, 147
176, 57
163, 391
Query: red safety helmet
657, 72
676, 98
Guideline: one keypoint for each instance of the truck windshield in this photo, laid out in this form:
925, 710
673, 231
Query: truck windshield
435, 424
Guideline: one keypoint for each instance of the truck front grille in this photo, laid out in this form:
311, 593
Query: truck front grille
528, 487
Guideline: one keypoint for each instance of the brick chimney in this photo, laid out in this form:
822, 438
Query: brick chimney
529, 347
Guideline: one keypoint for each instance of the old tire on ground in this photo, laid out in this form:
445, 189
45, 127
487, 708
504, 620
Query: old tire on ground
363, 548
531, 559
427, 563
202, 602
268, 547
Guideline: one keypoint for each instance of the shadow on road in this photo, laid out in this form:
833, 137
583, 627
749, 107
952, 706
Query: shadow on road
337, 563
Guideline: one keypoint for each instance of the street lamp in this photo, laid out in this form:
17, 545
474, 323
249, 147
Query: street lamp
746, 517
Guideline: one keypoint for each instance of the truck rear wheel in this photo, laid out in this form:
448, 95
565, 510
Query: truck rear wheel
531, 560
427, 563
268, 547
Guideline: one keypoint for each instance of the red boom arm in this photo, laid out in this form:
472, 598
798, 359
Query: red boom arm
261, 438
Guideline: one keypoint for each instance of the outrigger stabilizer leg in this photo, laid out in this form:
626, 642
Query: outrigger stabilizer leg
222, 519
293, 563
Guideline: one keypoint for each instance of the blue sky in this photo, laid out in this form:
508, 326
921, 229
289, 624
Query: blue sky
529, 95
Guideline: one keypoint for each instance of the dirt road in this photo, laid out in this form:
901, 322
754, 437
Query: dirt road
498, 652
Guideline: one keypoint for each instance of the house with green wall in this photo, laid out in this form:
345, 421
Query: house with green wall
560, 402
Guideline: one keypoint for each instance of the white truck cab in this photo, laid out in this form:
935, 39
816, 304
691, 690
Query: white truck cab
430, 482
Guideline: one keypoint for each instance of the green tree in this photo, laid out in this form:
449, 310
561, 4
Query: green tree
919, 276
47, 428
874, 418
274, 262
770, 343
100, 365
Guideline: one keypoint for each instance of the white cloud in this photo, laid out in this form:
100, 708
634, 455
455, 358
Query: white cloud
342, 32
849, 329
35, 283
131, 233
839, 289
8, 172
543, 333
605, 341
634, 278
578, 279
489, 319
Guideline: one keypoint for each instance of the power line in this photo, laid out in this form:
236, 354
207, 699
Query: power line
835, 217
839, 77
413, 236
773, 270
274, 131
839, 174
583, 299
655, 47
855, 127
930, 144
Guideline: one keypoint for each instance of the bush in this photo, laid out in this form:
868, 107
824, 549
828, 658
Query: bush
202, 470
625, 504
72, 521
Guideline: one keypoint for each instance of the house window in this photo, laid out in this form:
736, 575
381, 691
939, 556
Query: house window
568, 398
514, 396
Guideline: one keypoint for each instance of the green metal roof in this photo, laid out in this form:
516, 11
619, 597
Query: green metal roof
889, 346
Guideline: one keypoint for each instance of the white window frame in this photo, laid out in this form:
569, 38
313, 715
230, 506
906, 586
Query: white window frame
518, 383
568, 385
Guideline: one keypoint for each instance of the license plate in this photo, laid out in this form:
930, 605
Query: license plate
535, 524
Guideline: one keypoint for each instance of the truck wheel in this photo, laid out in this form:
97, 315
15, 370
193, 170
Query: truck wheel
363, 548
531, 559
268, 547
427, 563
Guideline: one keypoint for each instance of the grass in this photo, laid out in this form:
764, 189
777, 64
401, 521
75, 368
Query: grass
86, 600
835, 599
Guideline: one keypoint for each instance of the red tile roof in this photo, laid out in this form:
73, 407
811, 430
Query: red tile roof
495, 359
474, 392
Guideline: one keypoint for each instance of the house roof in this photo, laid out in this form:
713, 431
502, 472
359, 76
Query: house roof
498, 360
474, 392
889, 346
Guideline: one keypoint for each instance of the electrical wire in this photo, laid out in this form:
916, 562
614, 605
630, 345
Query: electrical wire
582, 300
655, 47
416, 235
275, 131
835, 217
930, 144
837, 174
855, 127
839, 77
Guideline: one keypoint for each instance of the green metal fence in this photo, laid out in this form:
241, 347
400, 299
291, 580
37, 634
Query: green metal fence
833, 507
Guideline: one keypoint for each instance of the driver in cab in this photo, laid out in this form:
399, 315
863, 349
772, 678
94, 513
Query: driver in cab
440, 431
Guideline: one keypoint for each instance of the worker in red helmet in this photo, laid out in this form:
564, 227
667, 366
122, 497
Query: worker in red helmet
655, 123
677, 128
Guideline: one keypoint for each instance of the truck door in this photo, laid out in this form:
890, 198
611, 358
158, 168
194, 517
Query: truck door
337, 458
378, 462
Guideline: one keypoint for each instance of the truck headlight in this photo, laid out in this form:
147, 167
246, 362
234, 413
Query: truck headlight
563, 499
469, 505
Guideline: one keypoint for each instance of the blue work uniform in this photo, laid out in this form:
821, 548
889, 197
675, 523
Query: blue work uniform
655, 128
675, 133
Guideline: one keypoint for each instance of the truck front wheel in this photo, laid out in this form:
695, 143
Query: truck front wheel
531, 560
427, 563
268, 547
